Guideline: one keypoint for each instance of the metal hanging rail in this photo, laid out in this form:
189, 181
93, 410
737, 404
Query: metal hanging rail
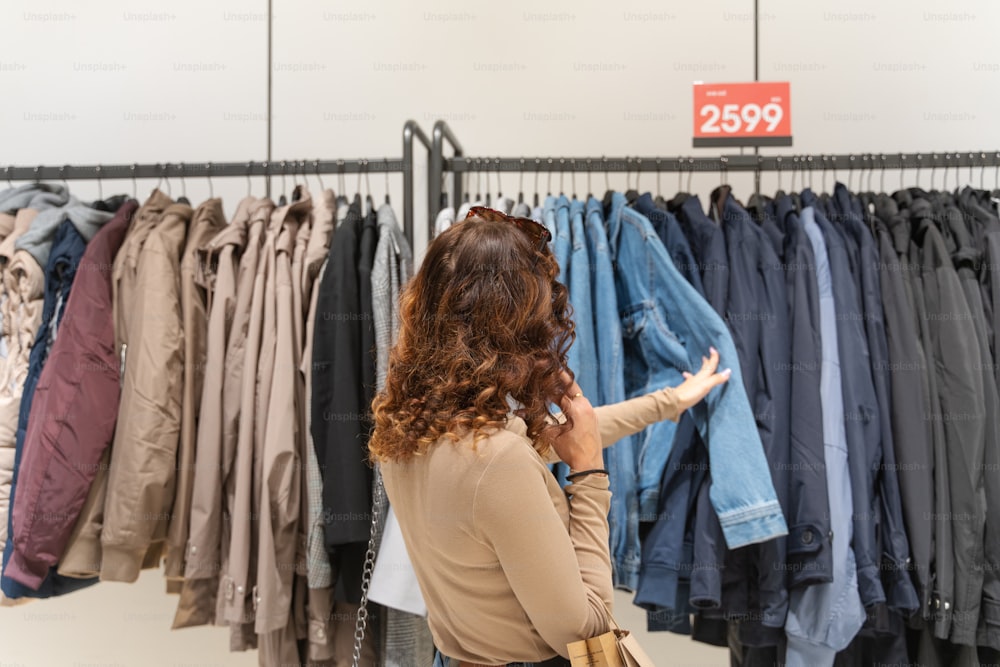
460, 164
248, 169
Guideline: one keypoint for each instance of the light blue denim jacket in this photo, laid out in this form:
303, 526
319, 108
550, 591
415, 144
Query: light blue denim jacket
619, 459
667, 327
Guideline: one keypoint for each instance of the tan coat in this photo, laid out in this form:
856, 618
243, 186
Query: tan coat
238, 570
83, 553
278, 548
216, 273
142, 479
207, 222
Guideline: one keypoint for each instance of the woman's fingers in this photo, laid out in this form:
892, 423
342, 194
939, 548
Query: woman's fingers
712, 362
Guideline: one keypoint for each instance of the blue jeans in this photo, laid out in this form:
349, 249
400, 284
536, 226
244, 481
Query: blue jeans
558, 661
667, 327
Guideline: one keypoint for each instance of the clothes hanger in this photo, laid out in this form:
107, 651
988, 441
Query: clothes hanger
486, 172
282, 199
793, 190
548, 188
590, 190
681, 195
562, 173
368, 187
249, 184
183, 198
479, 175
608, 193
357, 188
535, 198
572, 176
319, 178
632, 194
296, 185
341, 182
520, 184
628, 179
388, 203
166, 179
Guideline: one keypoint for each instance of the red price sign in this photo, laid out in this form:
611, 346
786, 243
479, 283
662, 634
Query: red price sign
742, 114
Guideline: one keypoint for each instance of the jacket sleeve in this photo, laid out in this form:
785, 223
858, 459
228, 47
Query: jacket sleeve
143, 461
567, 592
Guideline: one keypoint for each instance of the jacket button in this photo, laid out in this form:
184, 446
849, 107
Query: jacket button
937, 604
947, 606
320, 634
807, 537
239, 589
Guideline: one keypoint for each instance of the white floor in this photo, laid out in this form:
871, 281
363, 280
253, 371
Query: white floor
666, 648
123, 625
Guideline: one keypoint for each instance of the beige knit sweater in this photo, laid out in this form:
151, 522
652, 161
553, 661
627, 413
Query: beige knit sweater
511, 567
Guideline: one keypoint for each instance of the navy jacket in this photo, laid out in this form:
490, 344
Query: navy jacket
892, 543
757, 315
860, 407
708, 244
809, 543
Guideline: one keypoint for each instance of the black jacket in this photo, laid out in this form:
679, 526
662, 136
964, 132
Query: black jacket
338, 428
960, 411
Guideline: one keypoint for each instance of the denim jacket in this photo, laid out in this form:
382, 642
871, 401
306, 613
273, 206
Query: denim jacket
667, 327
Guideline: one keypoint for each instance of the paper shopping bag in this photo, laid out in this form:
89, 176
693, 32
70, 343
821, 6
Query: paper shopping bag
600, 651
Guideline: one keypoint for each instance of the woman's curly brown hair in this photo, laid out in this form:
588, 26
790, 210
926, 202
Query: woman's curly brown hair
484, 317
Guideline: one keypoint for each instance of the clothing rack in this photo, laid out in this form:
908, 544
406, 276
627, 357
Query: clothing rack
404, 165
459, 164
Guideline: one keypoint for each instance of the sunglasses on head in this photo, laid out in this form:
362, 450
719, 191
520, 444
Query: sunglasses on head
539, 235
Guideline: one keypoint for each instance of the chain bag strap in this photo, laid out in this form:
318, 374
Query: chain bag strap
378, 504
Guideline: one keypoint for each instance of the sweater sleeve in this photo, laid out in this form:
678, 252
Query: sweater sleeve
618, 420
622, 419
562, 580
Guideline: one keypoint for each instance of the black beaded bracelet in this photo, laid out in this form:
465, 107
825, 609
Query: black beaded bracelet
572, 476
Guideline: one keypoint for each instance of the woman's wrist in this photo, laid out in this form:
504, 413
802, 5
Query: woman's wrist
596, 463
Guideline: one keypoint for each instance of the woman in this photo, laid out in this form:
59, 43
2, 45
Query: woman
511, 566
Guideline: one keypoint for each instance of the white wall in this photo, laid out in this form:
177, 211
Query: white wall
147, 81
